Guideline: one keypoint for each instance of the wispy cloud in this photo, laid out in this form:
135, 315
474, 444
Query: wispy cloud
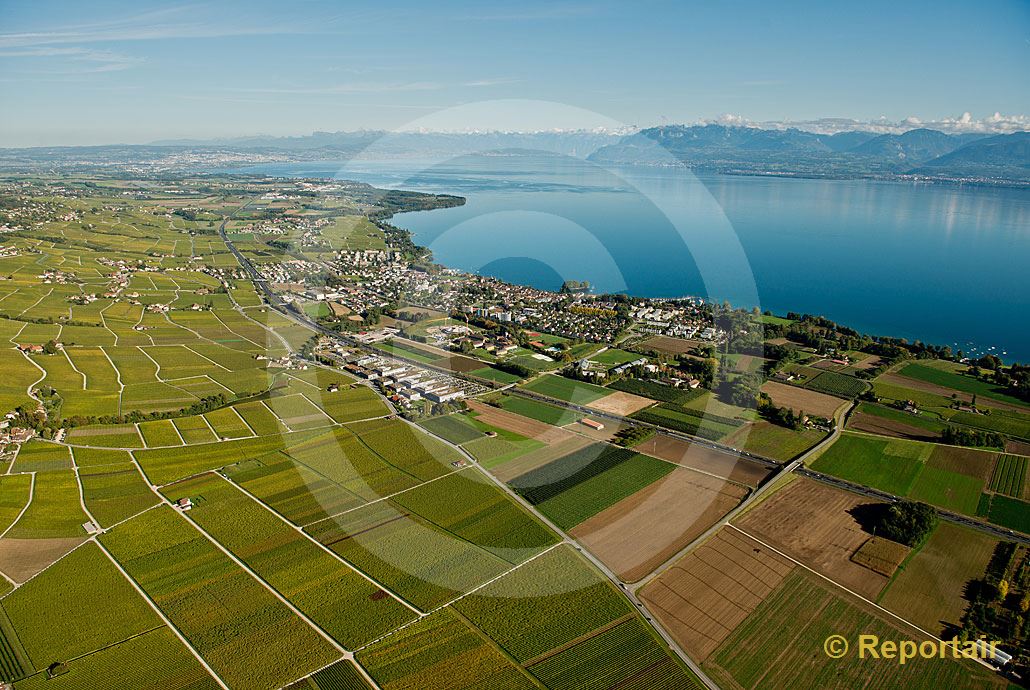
964, 123
481, 83
83, 60
182, 21
350, 88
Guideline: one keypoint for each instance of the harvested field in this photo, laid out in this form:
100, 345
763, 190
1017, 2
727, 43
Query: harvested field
930, 590
669, 345
23, 558
1018, 447
968, 461
515, 423
644, 530
538, 458
621, 403
702, 458
812, 523
707, 593
802, 399
462, 365
881, 555
873, 424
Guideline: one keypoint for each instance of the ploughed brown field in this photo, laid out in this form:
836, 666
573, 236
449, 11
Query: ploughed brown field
462, 365
968, 461
20, 559
642, 531
516, 423
621, 403
669, 345
802, 400
811, 522
708, 592
703, 458
860, 421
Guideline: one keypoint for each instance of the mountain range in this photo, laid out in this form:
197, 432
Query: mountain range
923, 152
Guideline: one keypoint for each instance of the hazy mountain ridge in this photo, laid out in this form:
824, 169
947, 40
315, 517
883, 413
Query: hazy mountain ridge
734, 149
1003, 157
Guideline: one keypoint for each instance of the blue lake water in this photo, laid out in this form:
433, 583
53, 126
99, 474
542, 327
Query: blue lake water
946, 264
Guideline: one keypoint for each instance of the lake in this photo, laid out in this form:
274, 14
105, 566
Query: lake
946, 264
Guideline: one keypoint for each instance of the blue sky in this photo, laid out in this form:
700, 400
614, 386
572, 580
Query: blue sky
104, 72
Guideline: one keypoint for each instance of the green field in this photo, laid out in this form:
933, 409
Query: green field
614, 357
224, 613
14, 495
656, 391
677, 419
47, 611
542, 412
1010, 512
159, 433
455, 428
888, 465
956, 381
40, 456
519, 610
837, 384
115, 492
418, 560
441, 652
572, 488
561, 388
332, 594
54, 511
1010, 475
592, 495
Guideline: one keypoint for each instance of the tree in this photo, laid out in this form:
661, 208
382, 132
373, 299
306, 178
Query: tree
1003, 589
907, 522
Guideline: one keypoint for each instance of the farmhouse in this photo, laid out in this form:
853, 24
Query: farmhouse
596, 426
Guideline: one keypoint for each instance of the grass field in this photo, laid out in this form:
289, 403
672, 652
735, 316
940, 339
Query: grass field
890, 466
40, 456
224, 613
678, 420
14, 495
590, 496
542, 412
951, 378
930, 587
455, 428
561, 388
159, 433
1010, 512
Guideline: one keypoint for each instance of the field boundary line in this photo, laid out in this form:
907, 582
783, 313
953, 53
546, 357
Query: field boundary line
163, 617
32, 493
317, 543
85, 382
856, 594
242, 419
381, 498
260, 580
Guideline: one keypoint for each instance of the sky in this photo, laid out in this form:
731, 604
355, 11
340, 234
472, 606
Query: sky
101, 72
